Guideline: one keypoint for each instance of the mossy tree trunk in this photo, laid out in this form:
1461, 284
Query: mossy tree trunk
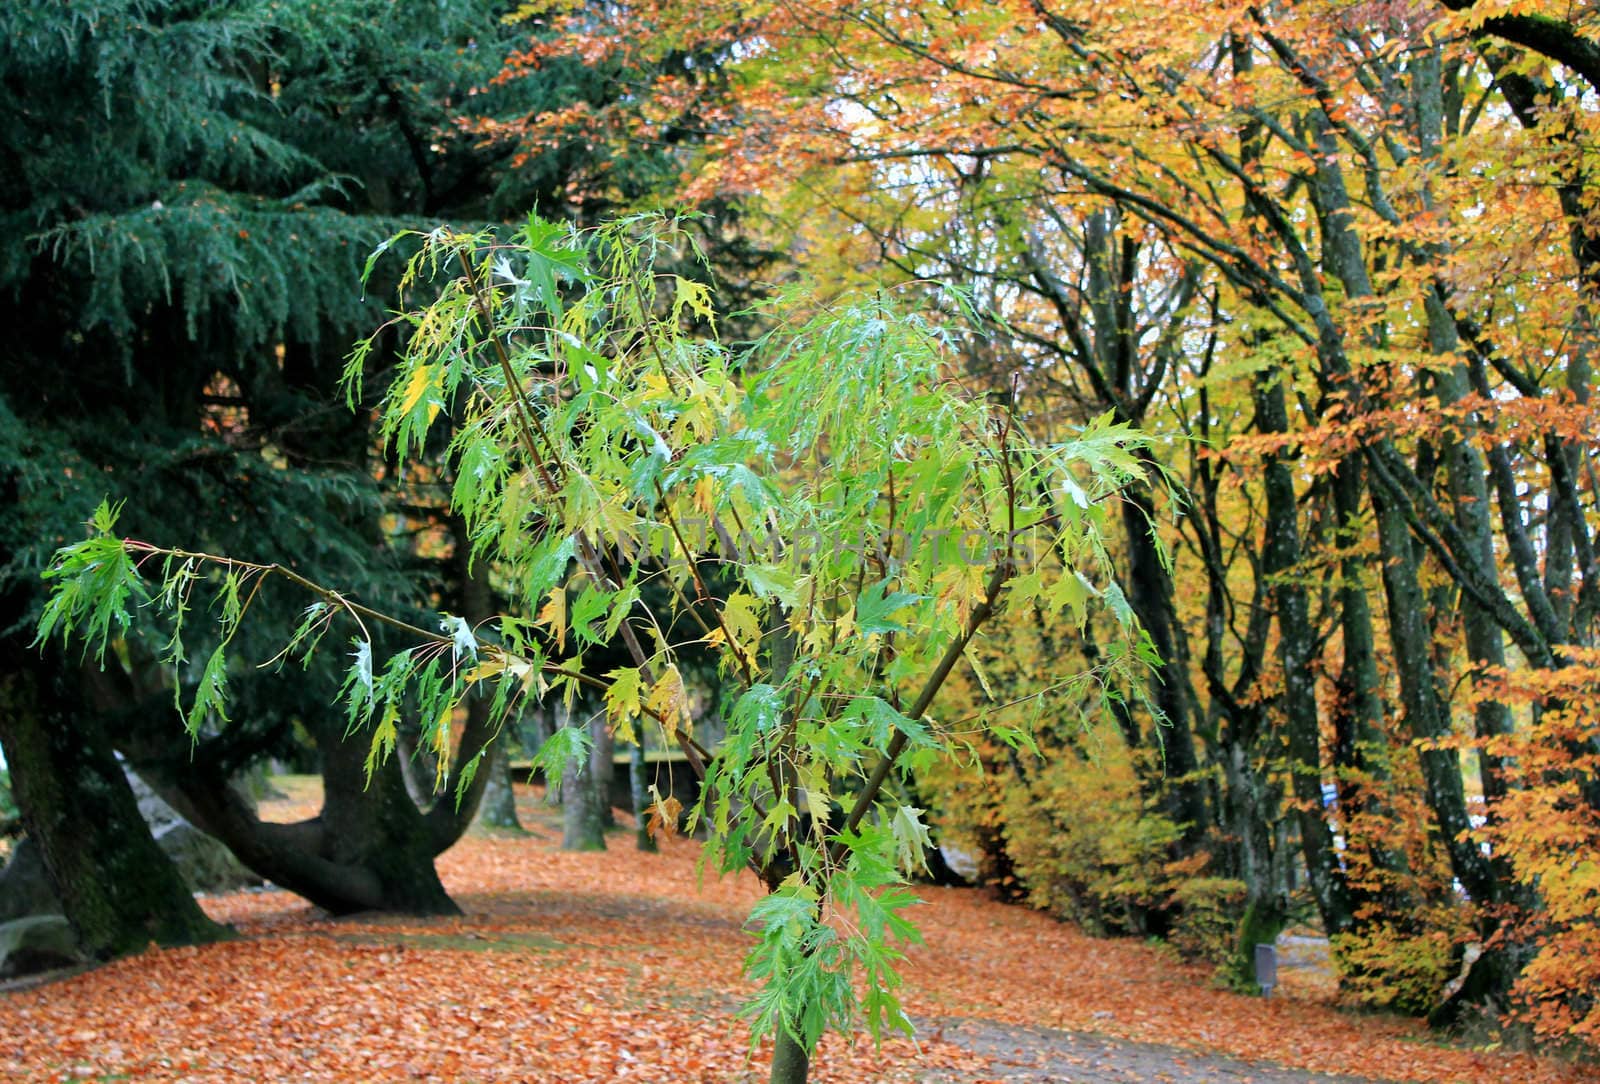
117, 887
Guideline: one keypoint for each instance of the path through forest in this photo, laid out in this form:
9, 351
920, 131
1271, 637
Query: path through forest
620, 965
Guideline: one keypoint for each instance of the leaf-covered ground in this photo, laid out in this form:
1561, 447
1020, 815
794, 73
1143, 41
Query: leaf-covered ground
621, 965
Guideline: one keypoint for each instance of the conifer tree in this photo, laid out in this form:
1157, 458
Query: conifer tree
189, 191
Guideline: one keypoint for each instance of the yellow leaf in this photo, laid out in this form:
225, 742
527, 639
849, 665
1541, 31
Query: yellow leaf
622, 696
484, 670
670, 701
705, 495
744, 627
664, 814
553, 615
421, 380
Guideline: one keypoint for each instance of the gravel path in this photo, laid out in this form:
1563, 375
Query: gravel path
1040, 1055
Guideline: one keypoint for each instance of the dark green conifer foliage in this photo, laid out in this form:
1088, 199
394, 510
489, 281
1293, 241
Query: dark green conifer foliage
188, 192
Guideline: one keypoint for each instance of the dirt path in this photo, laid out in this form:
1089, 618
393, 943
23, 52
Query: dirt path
1024, 1055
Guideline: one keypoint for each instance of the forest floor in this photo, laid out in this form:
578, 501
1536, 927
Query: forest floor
622, 965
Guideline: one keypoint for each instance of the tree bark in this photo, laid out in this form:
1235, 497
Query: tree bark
1296, 651
1150, 595
602, 752
583, 790
116, 886
498, 808
1441, 768
637, 789
791, 1061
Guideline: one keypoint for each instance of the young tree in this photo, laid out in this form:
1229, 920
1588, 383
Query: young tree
866, 518
1391, 214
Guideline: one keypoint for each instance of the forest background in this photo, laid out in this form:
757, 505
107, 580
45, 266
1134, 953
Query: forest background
1334, 260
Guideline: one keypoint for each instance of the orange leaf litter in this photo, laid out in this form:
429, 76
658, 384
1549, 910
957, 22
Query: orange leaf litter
619, 966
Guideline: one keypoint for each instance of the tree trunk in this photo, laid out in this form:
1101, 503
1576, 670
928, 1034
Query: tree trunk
1361, 745
116, 886
1411, 639
602, 750
376, 827
370, 849
637, 789
791, 1062
1251, 803
1150, 595
418, 766
583, 792
1280, 556
499, 806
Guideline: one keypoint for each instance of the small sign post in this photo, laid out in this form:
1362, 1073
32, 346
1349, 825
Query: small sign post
1266, 968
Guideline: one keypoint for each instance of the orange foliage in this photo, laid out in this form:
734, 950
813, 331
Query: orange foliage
1548, 830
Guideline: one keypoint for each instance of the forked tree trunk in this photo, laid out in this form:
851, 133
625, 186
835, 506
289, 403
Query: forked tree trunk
369, 849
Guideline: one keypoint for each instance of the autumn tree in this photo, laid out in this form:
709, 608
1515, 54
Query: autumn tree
1381, 213
870, 516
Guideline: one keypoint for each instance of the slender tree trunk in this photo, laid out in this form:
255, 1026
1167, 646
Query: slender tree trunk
791, 1062
1410, 638
638, 790
1361, 746
1464, 464
1296, 651
1150, 595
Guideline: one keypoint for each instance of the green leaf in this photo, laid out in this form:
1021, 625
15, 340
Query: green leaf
911, 839
772, 581
210, 694
568, 744
623, 692
759, 708
93, 583
875, 610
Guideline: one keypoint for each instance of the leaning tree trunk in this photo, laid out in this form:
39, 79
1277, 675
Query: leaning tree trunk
117, 887
370, 849
1150, 595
